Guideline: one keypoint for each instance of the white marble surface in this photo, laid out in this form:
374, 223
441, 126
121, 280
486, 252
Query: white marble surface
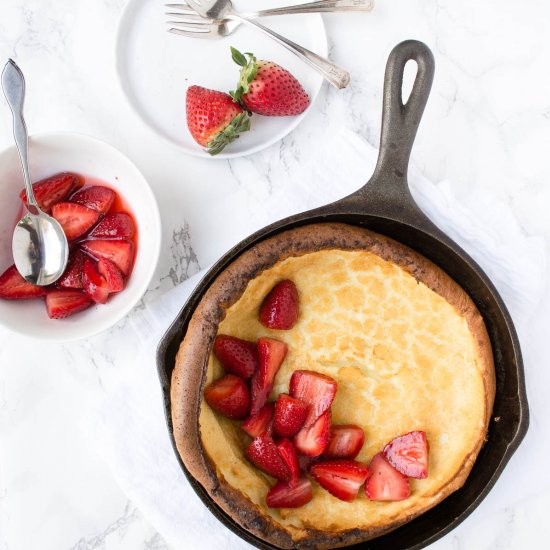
487, 126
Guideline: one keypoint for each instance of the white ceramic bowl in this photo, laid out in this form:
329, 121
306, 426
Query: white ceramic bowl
50, 153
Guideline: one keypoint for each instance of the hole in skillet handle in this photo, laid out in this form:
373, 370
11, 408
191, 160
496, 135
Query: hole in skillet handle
409, 76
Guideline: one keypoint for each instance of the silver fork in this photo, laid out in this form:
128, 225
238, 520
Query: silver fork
222, 10
188, 14
187, 17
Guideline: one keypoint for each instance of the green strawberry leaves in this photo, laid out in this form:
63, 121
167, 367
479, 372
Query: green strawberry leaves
238, 57
248, 73
241, 123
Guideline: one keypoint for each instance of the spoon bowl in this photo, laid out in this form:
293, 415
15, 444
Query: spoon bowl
39, 245
39, 248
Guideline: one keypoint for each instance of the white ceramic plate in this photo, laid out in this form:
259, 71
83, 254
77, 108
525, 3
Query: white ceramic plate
156, 68
60, 152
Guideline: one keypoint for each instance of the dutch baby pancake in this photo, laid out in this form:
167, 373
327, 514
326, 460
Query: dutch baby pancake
404, 345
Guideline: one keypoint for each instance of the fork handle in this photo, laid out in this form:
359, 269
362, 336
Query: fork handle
337, 76
317, 7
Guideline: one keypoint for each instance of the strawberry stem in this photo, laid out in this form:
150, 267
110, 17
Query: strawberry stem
241, 123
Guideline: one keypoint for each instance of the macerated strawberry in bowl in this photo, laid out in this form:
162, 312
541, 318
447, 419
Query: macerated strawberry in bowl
102, 237
111, 219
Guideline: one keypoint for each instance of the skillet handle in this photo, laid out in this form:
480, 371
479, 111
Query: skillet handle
387, 190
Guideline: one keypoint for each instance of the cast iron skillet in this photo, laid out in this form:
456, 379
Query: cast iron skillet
386, 206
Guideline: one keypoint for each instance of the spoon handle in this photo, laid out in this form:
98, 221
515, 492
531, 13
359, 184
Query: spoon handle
13, 85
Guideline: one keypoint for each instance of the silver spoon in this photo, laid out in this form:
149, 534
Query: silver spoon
39, 245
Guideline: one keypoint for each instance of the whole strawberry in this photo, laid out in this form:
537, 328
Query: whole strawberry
267, 89
213, 118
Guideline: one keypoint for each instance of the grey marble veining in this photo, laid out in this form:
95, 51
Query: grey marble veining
128, 526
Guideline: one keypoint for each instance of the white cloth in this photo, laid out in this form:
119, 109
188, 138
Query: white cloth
126, 424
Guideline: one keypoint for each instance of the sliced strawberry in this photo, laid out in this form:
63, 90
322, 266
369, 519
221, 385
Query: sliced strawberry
271, 354
94, 285
288, 454
345, 441
112, 275
341, 478
290, 415
312, 440
229, 396
314, 389
285, 495
72, 277
96, 197
263, 453
279, 309
408, 454
261, 423
75, 219
54, 189
119, 252
237, 356
114, 226
305, 462
63, 302
258, 394
14, 287
385, 482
